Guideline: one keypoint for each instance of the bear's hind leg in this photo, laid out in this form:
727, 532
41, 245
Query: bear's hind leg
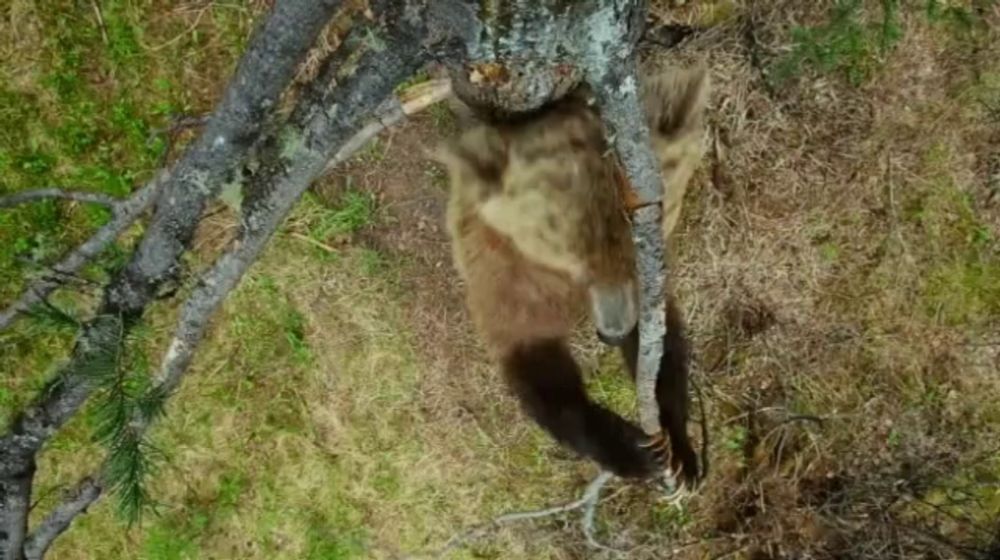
546, 380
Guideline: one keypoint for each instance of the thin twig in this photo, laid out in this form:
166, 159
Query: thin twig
591, 497
23, 197
410, 102
313, 242
587, 503
126, 212
100, 21
177, 124
705, 465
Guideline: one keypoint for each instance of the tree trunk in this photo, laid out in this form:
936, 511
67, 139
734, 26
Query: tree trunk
524, 54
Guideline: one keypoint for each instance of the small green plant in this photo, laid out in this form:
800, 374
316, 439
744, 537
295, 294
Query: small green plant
847, 43
420, 77
165, 543
295, 334
442, 117
894, 439
735, 438
957, 16
372, 262
671, 517
356, 209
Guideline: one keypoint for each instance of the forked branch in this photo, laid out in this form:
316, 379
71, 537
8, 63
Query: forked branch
125, 213
317, 134
586, 504
261, 77
261, 219
77, 501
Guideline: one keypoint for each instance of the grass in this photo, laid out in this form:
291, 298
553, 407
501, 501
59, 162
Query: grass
841, 294
355, 211
78, 107
850, 42
857, 36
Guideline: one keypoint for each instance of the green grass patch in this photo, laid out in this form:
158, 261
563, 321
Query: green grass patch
86, 122
852, 42
964, 291
961, 283
353, 210
274, 331
611, 385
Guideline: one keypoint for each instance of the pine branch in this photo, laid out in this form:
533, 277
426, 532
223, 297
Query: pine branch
126, 401
396, 61
262, 75
23, 197
126, 212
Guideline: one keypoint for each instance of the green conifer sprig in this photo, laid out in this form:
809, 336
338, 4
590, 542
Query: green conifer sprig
126, 402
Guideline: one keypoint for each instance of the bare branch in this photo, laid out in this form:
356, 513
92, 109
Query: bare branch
587, 503
78, 500
268, 66
23, 197
616, 86
261, 77
410, 102
646, 230
126, 212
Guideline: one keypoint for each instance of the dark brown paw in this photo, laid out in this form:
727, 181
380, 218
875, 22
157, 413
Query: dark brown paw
675, 466
658, 447
684, 464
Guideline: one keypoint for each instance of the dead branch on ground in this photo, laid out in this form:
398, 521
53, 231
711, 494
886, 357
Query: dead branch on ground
586, 504
42, 194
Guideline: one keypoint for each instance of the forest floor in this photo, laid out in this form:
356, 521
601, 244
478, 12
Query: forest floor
837, 262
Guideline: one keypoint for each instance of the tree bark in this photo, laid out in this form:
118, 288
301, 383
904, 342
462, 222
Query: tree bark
60, 519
